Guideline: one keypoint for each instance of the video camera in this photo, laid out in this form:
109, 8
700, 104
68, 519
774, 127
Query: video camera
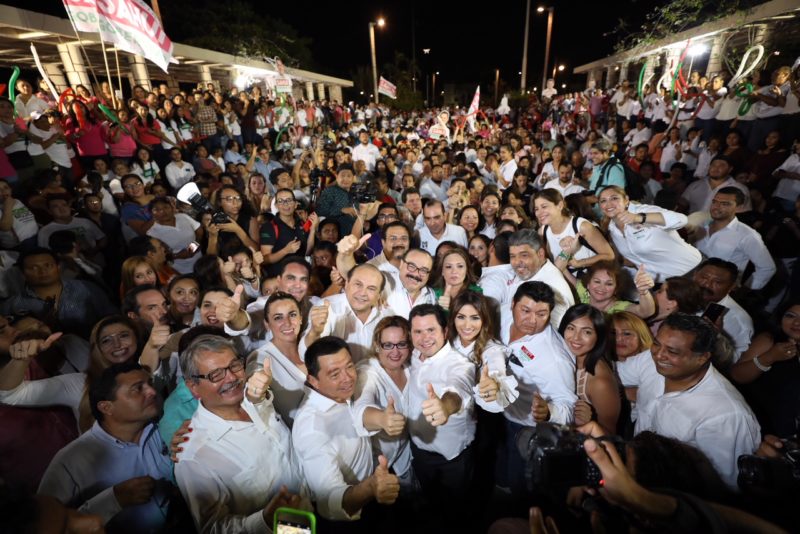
364, 193
555, 457
780, 475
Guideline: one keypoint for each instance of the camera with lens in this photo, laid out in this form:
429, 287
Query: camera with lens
364, 193
190, 194
778, 475
555, 458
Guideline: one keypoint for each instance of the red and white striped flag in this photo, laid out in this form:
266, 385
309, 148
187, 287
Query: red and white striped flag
129, 25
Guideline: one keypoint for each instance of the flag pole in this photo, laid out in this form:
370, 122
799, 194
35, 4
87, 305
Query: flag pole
108, 74
85, 55
119, 74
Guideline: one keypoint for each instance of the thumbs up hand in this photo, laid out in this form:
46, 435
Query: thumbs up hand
348, 245
25, 350
258, 384
318, 316
433, 409
487, 386
393, 422
387, 486
644, 282
540, 409
229, 307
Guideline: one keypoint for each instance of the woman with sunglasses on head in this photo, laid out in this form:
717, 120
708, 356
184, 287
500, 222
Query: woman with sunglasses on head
380, 393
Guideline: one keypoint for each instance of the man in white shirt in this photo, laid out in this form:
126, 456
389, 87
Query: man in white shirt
698, 195
789, 185
717, 278
336, 457
564, 184
724, 236
681, 395
640, 134
439, 411
366, 151
179, 173
495, 277
436, 230
529, 262
90, 238
238, 463
434, 187
119, 469
543, 367
409, 288
352, 315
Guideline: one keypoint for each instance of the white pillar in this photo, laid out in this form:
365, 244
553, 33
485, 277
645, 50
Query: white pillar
56, 75
139, 69
335, 93
611, 76
74, 66
320, 91
309, 90
623, 71
715, 55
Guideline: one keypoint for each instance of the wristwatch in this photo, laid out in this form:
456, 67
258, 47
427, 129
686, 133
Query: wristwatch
642, 218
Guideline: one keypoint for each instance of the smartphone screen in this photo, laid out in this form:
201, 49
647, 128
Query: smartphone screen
290, 521
193, 246
714, 311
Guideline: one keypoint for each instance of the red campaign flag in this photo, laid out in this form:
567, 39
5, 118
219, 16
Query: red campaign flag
385, 87
129, 25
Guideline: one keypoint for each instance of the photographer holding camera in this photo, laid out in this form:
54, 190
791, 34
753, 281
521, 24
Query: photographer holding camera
336, 202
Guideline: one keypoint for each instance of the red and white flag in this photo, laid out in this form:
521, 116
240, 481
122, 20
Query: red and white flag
129, 25
385, 87
473, 108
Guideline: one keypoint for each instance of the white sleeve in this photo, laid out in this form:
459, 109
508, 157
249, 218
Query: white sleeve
672, 219
559, 390
61, 390
724, 439
631, 371
367, 395
495, 358
762, 261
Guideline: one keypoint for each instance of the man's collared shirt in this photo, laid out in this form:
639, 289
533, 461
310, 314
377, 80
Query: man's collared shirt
229, 470
451, 232
368, 153
343, 323
739, 244
333, 453
550, 275
83, 475
699, 194
449, 372
738, 324
541, 363
711, 415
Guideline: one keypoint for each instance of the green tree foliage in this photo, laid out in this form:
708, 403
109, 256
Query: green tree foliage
234, 27
675, 16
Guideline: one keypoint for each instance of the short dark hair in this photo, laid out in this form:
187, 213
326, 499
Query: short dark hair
421, 310
62, 241
409, 191
331, 222
130, 302
736, 192
326, 246
705, 336
291, 260
141, 245
57, 196
105, 387
719, 263
36, 251
395, 224
273, 176
536, 291
687, 293
324, 346
500, 244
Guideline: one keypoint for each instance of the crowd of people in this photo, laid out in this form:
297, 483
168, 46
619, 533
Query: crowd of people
367, 313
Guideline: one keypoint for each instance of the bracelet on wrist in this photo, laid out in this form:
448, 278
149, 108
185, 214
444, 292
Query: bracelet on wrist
761, 367
563, 255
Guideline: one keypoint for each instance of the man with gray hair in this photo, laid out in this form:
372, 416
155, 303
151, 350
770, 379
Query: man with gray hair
529, 263
238, 465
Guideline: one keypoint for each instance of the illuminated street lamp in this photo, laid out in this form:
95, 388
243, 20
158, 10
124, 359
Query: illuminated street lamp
380, 23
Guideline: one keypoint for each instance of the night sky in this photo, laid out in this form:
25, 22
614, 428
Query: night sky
467, 43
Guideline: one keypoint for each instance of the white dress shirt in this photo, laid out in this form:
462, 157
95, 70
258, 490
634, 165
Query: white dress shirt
430, 189
343, 323
699, 194
712, 415
451, 232
60, 390
373, 390
570, 189
400, 302
738, 324
288, 380
507, 170
494, 281
662, 251
448, 371
494, 356
739, 244
788, 188
544, 365
229, 470
333, 452
550, 275
178, 238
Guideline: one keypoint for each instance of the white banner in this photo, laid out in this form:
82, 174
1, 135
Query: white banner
129, 25
385, 87
473, 109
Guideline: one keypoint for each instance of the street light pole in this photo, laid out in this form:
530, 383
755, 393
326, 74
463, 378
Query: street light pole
374, 61
525, 48
550, 11
433, 90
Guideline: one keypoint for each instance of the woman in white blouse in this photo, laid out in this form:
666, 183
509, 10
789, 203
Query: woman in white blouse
380, 394
283, 319
470, 329
648, 235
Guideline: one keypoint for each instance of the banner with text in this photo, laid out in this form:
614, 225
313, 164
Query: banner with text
129, 25
385, 87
